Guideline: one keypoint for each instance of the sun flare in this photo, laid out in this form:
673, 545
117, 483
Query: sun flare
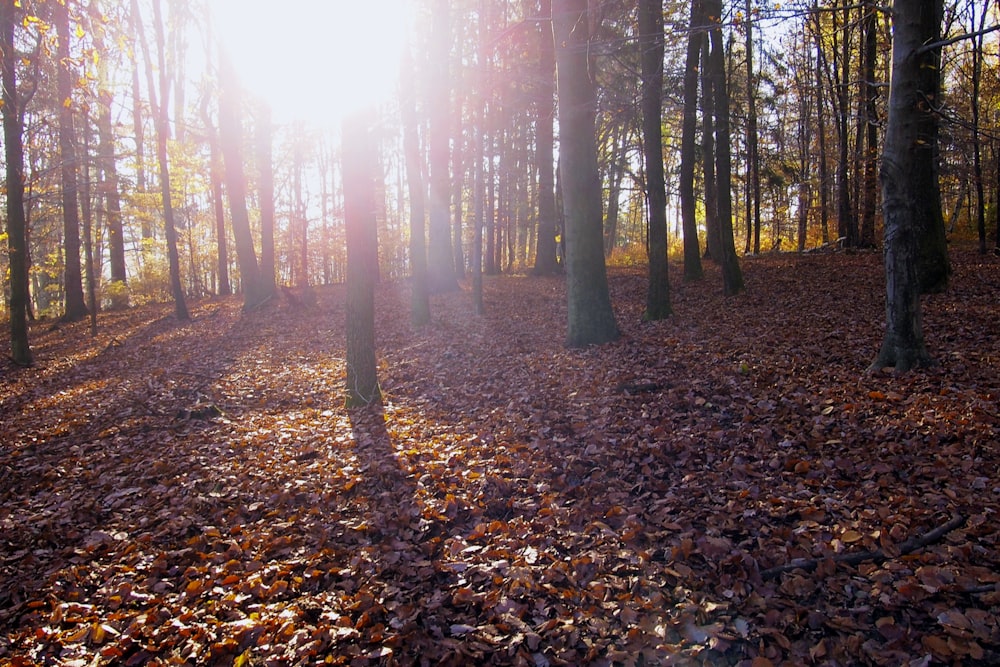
315, 61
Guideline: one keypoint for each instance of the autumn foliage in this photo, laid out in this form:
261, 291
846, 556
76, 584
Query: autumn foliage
196, 493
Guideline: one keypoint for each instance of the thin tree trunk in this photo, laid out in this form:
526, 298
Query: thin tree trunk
712, 235
440, 268
545, 250
215, 170
616, 171
138, 127
76, 306
265, 174
824, 173
753, 160
162, 134
977, 150
420, 308
658, 304
362, 259
17, 227
110, 186
732, 275
689, 128
230, 133
869, 120
86, 211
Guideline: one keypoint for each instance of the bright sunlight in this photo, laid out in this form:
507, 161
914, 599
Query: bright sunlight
315, 61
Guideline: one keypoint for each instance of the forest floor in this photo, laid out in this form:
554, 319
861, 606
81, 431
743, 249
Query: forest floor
195, 493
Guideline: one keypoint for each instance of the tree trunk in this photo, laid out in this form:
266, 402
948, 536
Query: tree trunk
712, 235
265, 172
359, 152
545, 250
616, 171
17, 228
753, 160
732, 276
824, 173
87, 218
869, 120
689, 128
658, 304
908, 167
977, 149
420, 308
109, 185
138, 128
215, 170
76, 306
441, 264
162, 134
230, 132
934, 266
591, 318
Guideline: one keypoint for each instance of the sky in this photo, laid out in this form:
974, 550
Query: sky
315, 61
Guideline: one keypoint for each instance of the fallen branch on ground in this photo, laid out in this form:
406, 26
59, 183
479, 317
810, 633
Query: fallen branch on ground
877, 556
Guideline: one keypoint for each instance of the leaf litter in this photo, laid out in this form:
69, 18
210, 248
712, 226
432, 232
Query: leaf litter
726, 487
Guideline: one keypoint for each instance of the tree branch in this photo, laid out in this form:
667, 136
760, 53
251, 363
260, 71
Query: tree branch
877, 556
957, 38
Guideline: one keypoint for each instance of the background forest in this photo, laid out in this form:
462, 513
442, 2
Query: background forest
102, 84
585, 463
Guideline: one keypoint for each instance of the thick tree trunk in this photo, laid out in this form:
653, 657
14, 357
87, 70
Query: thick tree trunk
545, 249
362, 259
934, 266
908, 166
591, 319
689, 128
17, 228
76, 306
651, 47
732, 275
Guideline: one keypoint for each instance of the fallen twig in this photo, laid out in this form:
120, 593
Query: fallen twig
877, 556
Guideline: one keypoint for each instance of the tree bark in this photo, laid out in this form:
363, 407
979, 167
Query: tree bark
441, 264
732, 276
17, 228
712, 235
230, 132
545, 249
658, 304
76, 306
933, 262
753, 159
591, 319
162, 134
908, 166
362, 259
869, 120
689, 128
265, 174
420, 308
